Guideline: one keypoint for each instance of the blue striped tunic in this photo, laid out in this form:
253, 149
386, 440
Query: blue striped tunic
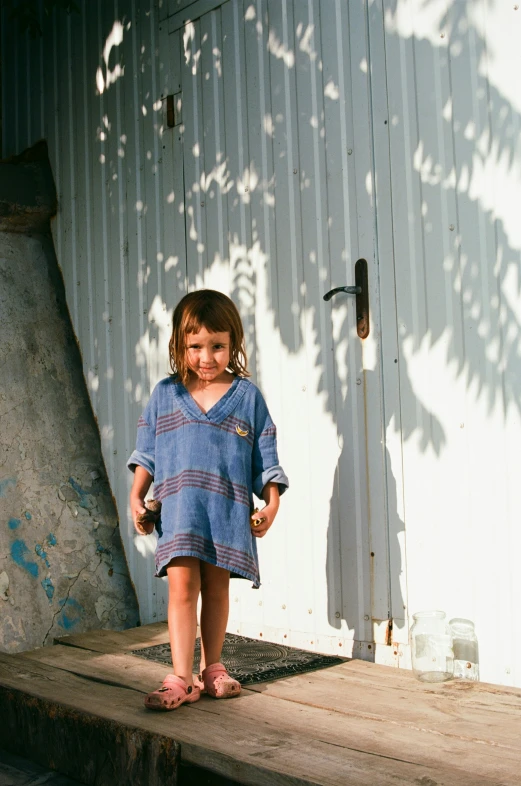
206, 468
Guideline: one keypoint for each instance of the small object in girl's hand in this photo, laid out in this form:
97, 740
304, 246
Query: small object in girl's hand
145, 522
256, 522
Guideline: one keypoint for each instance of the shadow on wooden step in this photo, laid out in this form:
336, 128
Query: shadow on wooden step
86, 747
187, 775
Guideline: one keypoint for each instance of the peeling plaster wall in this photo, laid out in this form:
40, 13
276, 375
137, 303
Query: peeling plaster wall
62, 568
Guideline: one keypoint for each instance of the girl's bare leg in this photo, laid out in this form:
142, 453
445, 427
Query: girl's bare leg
184, 585
215, 604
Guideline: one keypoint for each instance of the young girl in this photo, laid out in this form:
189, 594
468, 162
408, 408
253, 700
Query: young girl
207, 442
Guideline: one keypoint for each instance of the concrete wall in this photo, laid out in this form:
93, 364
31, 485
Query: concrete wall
62, 568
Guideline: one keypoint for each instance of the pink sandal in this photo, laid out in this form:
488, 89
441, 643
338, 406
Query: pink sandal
173, 692
216, 681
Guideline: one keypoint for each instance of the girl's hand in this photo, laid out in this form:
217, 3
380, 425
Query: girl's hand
261, 520
140, 486
137, 508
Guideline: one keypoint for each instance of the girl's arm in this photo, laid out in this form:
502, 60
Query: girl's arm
271, 496
140, 486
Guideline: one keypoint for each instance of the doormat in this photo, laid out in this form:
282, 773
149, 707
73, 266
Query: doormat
251, 661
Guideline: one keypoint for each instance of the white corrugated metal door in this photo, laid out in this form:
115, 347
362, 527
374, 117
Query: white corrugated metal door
454, 112
271, 130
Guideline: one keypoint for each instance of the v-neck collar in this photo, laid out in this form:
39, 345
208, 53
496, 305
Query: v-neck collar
218, 411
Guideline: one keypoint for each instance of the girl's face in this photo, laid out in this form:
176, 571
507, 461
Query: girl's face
208, 354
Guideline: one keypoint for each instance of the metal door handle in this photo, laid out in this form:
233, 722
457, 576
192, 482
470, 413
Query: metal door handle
361, 290
348, 290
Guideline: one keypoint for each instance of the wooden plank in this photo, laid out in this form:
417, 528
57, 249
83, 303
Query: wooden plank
474, 749
324, 690
382, 688
119, 641
465, 711
360, 676
64, 726
400, 679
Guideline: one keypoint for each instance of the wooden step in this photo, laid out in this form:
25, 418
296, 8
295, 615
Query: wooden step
356, 723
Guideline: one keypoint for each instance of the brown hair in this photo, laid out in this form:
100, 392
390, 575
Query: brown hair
218, 314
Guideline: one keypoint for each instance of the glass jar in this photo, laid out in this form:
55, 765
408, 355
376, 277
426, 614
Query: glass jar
465, 646
431, 647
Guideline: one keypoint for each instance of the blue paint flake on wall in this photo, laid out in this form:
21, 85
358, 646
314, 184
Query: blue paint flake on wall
51, 539
81, 492
83, 495
76, 486
28, 515
4, 485
70, 614
13, 523
19, 551
42, 553
49, 588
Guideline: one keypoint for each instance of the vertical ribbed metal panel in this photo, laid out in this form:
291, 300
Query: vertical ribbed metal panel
255, 192
455, 160
273, 106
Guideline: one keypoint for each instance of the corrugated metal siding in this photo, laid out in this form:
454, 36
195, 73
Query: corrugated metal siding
268, 170
271, 114
455, 160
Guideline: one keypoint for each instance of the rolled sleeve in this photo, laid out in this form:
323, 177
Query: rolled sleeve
145, 453
145, 460
266, 467
272, 475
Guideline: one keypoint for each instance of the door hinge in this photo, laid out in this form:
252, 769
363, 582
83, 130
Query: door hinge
389, 633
